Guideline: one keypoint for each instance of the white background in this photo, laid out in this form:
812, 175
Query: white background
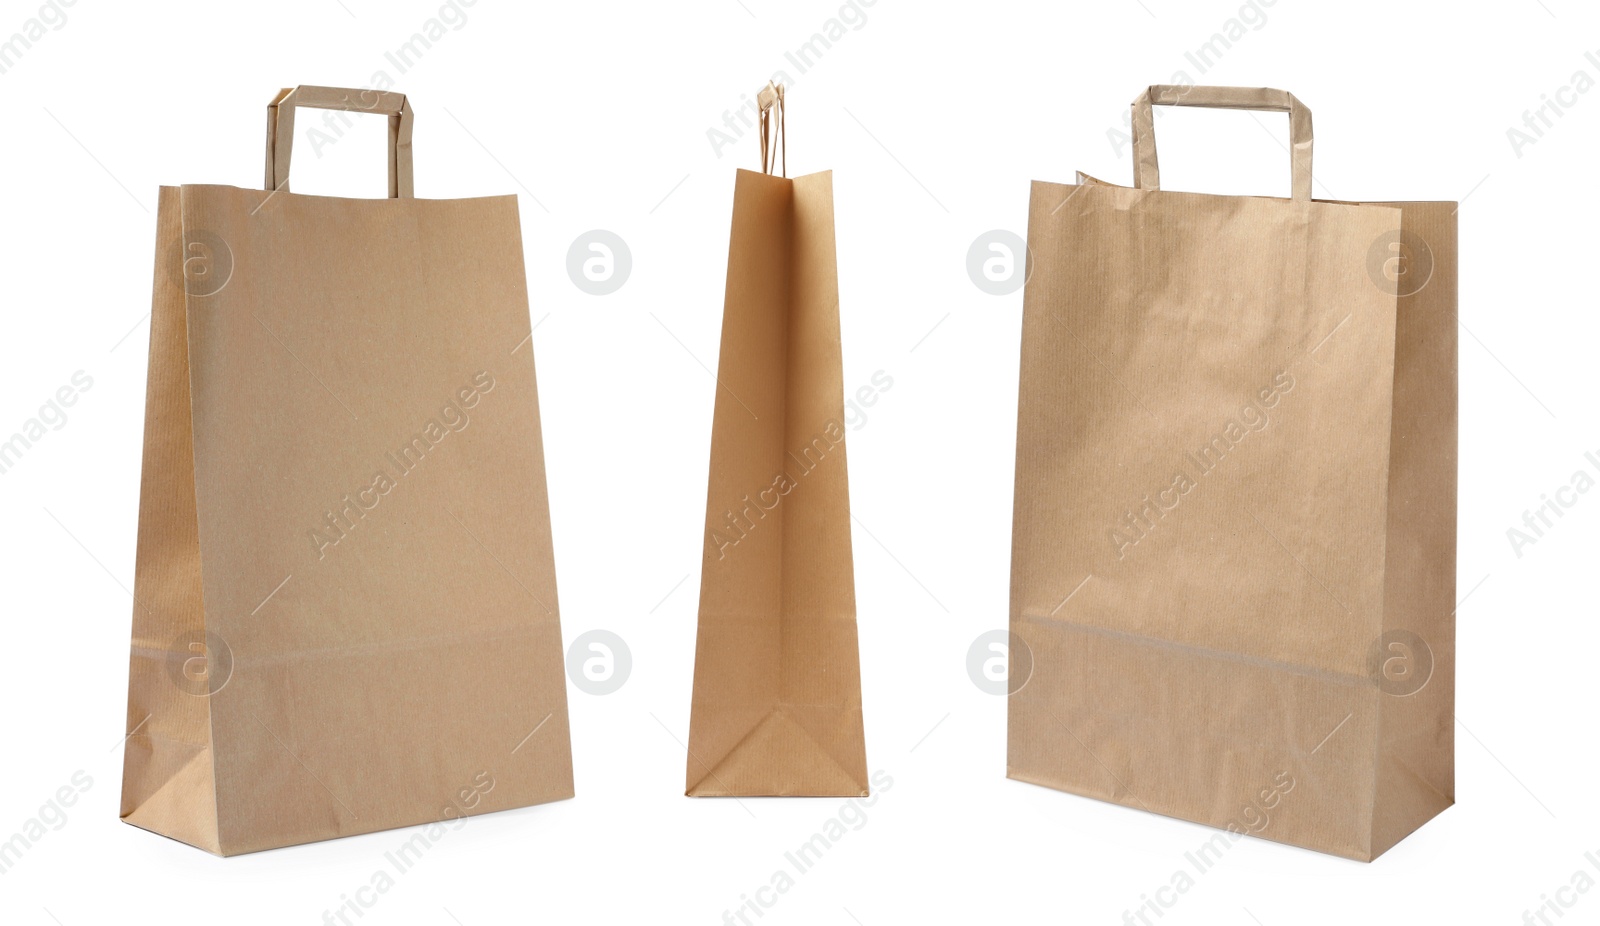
934, 117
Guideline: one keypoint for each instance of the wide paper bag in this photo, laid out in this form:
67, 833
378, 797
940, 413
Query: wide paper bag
345, 602
777, 688
1233, 561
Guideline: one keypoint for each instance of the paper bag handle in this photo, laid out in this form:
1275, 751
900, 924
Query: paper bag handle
280, 129
773, 137
1147, 173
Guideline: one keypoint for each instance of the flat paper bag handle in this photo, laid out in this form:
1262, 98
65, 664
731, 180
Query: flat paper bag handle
1146, 172
280, 129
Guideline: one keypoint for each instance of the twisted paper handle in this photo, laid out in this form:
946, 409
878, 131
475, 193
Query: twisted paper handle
770, 103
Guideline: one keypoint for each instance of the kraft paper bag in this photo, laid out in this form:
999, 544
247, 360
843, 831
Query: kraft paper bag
777, 686
345, 601
1233, 561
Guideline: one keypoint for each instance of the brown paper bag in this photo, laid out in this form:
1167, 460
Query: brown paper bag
777, 684
1233, 562
345, 602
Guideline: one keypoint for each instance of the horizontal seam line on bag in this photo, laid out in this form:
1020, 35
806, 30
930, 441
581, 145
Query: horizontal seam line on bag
1352, 679
348, 650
